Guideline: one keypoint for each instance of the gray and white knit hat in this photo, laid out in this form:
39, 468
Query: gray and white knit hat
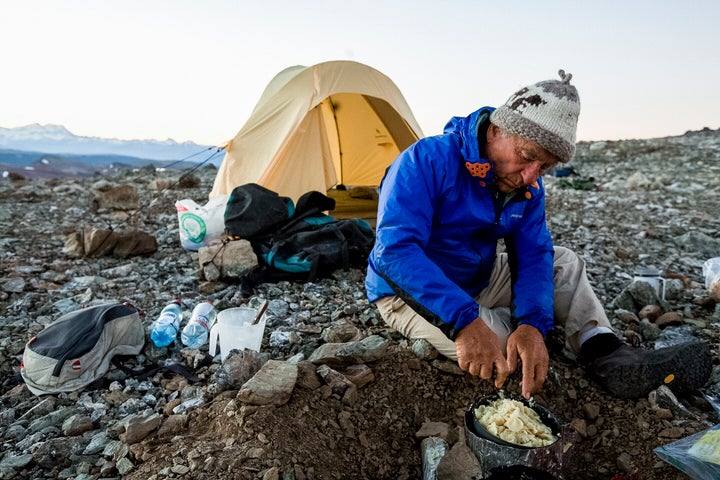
545, 113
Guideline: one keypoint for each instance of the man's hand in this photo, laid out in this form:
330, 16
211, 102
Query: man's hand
527, 343
479, 353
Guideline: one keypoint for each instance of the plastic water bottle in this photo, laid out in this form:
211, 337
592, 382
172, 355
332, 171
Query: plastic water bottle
165, 328
195, 333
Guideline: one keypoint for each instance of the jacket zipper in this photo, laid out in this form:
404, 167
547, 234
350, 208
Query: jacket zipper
500, 204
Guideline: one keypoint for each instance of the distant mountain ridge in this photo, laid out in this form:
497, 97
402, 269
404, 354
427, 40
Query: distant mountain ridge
56, 139
52, 151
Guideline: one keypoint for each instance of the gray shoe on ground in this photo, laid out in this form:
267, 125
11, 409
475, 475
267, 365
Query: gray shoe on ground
630, 372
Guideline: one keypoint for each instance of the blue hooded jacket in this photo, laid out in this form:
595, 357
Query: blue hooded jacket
440, 217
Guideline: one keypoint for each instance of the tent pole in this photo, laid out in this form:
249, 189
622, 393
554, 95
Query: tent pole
337, 134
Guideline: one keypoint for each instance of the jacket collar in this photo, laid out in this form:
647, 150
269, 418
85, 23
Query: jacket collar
472, 133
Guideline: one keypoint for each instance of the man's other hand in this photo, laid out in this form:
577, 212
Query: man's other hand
527, 343
479, 353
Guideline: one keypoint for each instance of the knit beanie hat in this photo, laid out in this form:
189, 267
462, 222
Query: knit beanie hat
545, 113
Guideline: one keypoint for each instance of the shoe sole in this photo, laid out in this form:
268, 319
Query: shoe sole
685, 369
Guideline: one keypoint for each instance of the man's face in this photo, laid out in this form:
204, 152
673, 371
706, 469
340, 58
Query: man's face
517, 162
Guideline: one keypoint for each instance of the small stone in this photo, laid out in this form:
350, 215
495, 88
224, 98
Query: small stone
307, 375
627, 317
650, 312
672, 432
77, 425
625, 463
140, 427
649, 330
437, 429
16, 461
668, 319
619, 252
459, 463
124, 466
591, 411
340, 331
360, 375
273, 384
424, 349
15, 432
124, 197
170, 406
255, 452
173, 425
180, 469
664, 414
189, 180
14, 285
448, 366
107, 467
579, 425
271, 474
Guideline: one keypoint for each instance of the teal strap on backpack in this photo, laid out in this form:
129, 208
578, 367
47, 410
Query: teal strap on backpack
318, 250
292, 264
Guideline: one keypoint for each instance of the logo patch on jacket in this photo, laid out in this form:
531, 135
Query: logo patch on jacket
479, 170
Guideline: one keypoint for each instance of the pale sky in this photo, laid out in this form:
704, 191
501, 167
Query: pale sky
194, 70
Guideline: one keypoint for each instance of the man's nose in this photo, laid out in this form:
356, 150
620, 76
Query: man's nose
531, 173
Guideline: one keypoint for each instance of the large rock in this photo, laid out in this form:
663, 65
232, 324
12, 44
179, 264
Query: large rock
135, 243
344, 354
636, 296
340, 385
124, 197
273, 384
239, 367
233, 259
97, 242
140, 427
458, 464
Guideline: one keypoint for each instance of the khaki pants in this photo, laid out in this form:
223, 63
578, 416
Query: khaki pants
576, 306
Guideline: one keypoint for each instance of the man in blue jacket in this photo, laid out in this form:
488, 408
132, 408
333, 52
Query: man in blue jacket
434, 273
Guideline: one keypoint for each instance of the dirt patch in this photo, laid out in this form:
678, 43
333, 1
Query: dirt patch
316, 436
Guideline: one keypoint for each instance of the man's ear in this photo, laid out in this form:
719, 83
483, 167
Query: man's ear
493, 132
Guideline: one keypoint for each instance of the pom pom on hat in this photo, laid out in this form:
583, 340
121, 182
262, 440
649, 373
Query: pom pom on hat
545, 113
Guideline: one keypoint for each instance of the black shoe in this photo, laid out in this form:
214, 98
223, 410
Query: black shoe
630, 372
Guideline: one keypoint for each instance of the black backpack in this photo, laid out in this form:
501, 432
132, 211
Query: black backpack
252, 210
304, 245
316, 246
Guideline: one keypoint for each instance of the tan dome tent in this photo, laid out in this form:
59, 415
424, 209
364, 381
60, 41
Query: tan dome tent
315, 127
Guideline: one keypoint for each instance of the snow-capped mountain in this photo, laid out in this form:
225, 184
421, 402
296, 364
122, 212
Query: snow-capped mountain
56, 139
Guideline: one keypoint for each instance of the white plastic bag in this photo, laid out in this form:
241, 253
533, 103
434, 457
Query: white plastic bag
711, 271
200, 225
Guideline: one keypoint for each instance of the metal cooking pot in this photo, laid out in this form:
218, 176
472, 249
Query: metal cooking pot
498, 457
546, 416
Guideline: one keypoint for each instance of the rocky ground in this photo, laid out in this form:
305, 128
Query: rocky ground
359, 411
